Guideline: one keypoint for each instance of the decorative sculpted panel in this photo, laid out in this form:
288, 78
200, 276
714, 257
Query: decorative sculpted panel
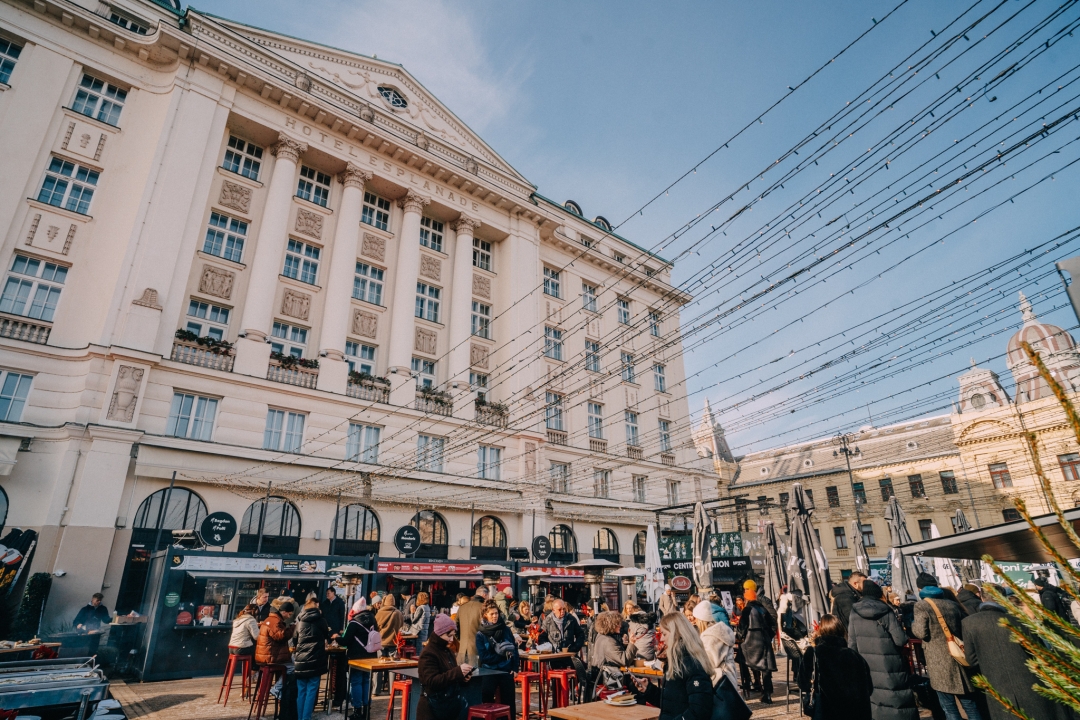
296, 305
309, 223
365, 324
478, 355
425, 341
430, 267
481, 286
125, 394
235, 196
374, 247
217, 282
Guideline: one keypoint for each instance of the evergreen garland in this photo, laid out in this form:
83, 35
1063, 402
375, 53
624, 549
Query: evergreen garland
28, 618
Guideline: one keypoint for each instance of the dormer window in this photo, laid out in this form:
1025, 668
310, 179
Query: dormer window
601, 222
393, 97
128, 23
573, 207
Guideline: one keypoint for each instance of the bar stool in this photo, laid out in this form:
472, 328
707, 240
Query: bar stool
488, 711
526, 680
261, 697
404, 687
244, 661
561, 682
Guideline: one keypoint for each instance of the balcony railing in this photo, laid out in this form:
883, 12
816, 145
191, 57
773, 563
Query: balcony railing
668, 458
434, 404
556, 437
369, 390
598, 445
304, 377
492, 415
842, 552
22, 330
194, 354
634, 452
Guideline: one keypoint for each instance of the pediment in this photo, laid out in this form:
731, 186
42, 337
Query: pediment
362, 77
986, 430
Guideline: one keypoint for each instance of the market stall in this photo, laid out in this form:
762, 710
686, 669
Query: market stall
569, 584
441, 579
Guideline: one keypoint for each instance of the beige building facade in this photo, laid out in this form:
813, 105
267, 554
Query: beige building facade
278, 269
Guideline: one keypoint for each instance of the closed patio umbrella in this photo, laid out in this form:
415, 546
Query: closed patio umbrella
653, 582
944, 568
904, 567
702, 550
807, 567
969, 569
775, 563
862, 559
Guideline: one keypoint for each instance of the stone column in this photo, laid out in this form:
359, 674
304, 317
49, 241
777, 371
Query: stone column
402, 331
461, 304
333, 370
252, 352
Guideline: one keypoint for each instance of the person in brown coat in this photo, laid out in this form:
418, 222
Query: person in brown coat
389, 619
440, 674
468, 622
272, 647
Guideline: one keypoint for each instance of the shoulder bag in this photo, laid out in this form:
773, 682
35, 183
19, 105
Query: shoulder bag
727, 703
955, 644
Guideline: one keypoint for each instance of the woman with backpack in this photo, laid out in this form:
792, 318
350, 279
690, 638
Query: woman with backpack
834, 679
362, 641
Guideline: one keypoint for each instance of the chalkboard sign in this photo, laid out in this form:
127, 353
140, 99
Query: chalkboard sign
541, 547
407, 540
218, 529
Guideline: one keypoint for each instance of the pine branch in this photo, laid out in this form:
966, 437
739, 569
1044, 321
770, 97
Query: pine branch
983, 684
1036, 609
1021, 506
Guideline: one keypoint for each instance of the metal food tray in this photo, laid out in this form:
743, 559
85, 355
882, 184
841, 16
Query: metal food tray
41, 683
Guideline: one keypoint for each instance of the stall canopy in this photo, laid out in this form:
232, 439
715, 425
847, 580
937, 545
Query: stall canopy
1008, 542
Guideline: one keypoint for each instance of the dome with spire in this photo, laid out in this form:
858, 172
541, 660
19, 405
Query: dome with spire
1054, 345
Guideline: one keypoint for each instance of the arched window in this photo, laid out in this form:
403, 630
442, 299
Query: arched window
639, 547
488, 539
357, 531
563, 545
433, 535
605, 546
3, 509
280, 527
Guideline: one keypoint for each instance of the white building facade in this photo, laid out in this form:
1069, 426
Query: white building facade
276, 268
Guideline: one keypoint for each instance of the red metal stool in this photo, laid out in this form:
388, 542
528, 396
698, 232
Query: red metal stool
488, 711
562, 681
526, 679
261, 697
244, 661
408, 651
404, 687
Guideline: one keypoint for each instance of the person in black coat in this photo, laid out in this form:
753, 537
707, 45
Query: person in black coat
496, 650
565, 634
843, 595
970, 597
92, 615
755, 634
357, 637
333, 611
439, 672
310, 657
836, 678
1054, 599
688, 688
876, 634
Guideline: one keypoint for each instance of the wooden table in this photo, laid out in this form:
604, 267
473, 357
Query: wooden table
643, 671
372, 666
600, 710
17, 653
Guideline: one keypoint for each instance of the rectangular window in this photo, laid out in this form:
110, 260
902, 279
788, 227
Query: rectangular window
225, 237
665, 436
284, 431
431, 233
1010, 515
68, 185
596, 421
1070, 466
673, 492
659, 379
489, 462
832, 494
999, 474
588, 296
313, 186
429, 453
243, 158
860, 493
424, 370
560, 477
886, 489
628, 374
99, 99
868, 539
427, 301
553, 346
481, 254
623, 308
924, 529
840, 538
918, 490
809, 495
601, 483
362, 444
13, 394
207, 320
955, 527
191, 416
301, 262
33, 288
9, 54
654, 323
368, 283
481, 320
638, 482
551, 282
360, 357
763, 504
592, 356
478, 381
376, 211
288, 339
631, 428
553, 414
619, 257
135, 26
948, 482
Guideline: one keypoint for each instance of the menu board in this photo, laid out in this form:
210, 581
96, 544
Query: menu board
227, 564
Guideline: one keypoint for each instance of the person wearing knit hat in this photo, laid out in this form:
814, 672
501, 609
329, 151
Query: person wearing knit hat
749, 585
443, 624
756, 632
936, 617
925, 579
440, 674
719, 641
876, 634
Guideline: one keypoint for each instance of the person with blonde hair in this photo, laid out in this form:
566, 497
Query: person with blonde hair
688, 688
719, 641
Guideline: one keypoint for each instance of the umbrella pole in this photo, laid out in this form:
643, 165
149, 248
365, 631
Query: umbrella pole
787, 687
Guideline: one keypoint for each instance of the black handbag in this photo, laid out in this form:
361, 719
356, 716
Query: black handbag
810, 699
447, 705
727, 703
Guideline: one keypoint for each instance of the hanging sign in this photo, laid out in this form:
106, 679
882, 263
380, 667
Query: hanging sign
407, 540
541, 547
218, 529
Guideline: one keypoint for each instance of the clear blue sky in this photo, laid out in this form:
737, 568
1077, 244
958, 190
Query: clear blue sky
606, 103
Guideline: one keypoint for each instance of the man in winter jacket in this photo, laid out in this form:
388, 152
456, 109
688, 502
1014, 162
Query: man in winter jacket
389, 620
756, 632
272, 647
333, 611
468, 622
876, 634
565, 634
1054, 599
843, 595
92, 615
667, 602
947, 677
970, 596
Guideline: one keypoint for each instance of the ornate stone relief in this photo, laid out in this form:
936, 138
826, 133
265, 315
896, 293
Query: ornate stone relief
554, 312
425, 341
592, 328
125, 394
530, 459
430, 267
471, 166
374, 247
478, 355
309, 223
217, 282
596, 389
481, 286
665, 407
149, 299
631, 398
235, 196
296, 305
365, 324
466, 225
422, 141
48, 240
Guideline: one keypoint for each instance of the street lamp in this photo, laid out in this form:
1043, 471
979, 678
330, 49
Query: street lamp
845, 440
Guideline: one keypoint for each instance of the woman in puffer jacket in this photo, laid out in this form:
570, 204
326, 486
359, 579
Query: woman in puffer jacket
876, 634
496, 650
310, 658
719, 641
688, 688
245, 631
639, 630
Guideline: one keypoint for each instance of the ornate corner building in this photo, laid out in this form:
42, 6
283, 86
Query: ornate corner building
292, 276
